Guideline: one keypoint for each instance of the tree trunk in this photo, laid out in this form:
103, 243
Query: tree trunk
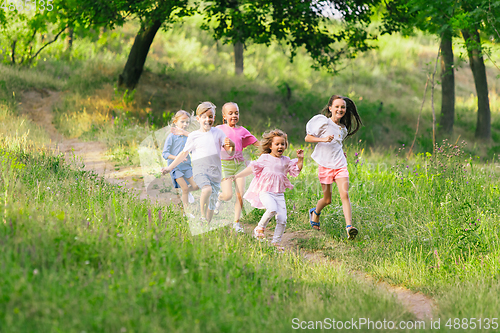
138, 54
13, 52
238, 58
70, 39
447, 84
473, 44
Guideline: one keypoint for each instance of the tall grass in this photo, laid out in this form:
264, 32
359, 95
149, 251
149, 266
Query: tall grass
429, 223
79, 254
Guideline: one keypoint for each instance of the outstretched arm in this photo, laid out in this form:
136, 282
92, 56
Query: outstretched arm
181, 157
313, 139
247, 172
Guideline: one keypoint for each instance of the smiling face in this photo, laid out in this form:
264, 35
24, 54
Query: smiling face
206, 120
231, 114
182, 122
338, 110
278, 146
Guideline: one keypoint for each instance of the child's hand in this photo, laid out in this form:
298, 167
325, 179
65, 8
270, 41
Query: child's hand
300, 153
328, 138
231, 178
178, 131
345, 154
165, 170
228, 142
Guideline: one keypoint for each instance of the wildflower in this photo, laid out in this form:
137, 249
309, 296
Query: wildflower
356, 154
403, 144
35, 271
466, 229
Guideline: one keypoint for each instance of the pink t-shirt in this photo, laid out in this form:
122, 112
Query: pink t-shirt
241, 138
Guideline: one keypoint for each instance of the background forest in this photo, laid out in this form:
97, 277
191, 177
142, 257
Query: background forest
79, 254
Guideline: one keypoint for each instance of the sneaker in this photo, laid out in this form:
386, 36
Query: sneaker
237, 227
279, 249
190, 198
217, 206
259, 233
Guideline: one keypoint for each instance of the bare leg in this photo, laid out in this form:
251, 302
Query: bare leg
185, 190
323, 202
206, 191
343, 186
239, 190
227, 190
210, 214
193, 187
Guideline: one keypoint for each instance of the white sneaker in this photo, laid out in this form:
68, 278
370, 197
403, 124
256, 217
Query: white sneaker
191, 216
217, 206
190, 198
238, 227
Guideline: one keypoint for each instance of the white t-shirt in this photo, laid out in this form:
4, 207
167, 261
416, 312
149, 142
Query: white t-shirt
327, 154
205, 150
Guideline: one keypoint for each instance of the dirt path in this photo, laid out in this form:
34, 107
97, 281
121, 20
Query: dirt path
38, 106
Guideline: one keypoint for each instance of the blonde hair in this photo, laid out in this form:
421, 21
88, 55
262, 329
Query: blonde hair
205, 107
267, 140
224, 107
178, 115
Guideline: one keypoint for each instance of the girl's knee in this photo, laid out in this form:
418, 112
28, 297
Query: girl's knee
281, 219
225, 197
327, 201
206, 189
344, 196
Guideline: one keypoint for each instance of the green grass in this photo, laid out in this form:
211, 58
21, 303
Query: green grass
79, 254
428, 223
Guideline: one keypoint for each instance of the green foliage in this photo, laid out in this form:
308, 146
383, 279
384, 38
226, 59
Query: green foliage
296, 24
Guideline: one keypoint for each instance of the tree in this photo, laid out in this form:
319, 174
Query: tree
296, 23
434, 17
25, 26
153, 15
476, 17
449, 18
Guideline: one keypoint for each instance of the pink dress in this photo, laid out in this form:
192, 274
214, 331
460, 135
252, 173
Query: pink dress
270, 176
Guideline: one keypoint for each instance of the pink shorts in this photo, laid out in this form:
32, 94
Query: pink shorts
328, 176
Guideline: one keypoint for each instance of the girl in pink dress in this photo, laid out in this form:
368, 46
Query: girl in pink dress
267, 188
233, 164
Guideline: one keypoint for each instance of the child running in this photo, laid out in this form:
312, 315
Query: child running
340, 120
205, 147
267, 188
231, 165
182, 174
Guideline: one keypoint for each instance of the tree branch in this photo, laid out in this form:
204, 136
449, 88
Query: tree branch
47, 44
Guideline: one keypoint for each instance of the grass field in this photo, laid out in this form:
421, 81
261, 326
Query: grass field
81, 255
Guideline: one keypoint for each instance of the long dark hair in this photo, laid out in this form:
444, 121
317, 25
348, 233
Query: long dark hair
351, 120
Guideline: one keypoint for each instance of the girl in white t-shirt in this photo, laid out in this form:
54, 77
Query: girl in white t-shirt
340, 120
205, 146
